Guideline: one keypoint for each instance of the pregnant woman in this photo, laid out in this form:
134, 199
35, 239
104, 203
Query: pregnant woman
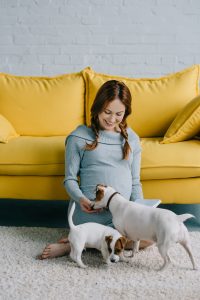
107, 152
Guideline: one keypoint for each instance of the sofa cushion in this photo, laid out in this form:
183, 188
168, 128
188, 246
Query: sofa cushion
43, 106
45, 156
33, 156
186, 124
33, 188
7, 131
180, 190
166, 161
156, 101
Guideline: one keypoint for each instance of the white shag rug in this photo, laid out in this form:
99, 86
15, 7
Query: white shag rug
23, 277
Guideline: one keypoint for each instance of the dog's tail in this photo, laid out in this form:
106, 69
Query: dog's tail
184, 217
70, 221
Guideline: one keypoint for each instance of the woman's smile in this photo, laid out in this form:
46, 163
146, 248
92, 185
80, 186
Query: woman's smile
109, 124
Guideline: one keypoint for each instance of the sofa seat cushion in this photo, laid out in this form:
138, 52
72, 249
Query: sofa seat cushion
167, 161
44, 156
27, 155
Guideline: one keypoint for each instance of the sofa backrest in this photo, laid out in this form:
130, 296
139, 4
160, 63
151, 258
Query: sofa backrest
155, 101
48, 106
43, 106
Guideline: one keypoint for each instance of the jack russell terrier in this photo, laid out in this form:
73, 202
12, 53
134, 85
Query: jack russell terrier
139, 222
93, 235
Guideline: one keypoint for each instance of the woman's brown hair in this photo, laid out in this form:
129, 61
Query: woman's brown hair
109, 91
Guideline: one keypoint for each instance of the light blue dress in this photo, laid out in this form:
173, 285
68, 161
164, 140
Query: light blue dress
104, 165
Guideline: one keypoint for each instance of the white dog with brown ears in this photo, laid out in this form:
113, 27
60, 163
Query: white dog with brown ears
139, 222
93, 235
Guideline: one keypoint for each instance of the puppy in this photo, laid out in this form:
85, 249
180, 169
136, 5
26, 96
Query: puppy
140, 222
93, 235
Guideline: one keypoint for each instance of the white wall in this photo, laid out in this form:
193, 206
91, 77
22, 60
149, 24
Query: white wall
126, 37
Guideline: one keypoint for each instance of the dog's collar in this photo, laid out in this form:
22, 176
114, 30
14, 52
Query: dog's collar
108, 203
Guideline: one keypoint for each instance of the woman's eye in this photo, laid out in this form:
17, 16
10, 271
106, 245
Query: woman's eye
108, 113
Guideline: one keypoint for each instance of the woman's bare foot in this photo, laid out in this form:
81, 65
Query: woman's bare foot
56, 250
63, 240
143, 245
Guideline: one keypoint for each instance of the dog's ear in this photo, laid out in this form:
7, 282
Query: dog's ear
120, 245
123, 240
99, 192
108, 240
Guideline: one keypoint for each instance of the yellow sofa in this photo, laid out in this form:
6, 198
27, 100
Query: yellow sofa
37, 113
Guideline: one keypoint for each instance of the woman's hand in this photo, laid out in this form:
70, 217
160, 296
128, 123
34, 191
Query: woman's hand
86, 206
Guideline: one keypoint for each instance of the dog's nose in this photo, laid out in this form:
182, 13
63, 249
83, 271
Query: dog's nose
112, 260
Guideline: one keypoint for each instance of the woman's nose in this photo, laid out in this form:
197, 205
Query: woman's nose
112, 118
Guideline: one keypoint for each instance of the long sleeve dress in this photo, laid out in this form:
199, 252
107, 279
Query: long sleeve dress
85, 169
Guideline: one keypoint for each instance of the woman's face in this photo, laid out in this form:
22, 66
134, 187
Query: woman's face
112, 115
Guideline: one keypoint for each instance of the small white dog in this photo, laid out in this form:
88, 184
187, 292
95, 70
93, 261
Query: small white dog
139, 222
93, 235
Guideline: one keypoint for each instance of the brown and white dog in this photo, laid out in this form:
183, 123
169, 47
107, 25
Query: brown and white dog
139, 222
93, 235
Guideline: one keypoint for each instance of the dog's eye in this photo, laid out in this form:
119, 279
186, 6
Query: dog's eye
117, 251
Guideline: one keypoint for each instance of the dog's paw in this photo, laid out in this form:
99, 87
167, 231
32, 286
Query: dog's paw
108, 262
129, 255
124, 259
83, 266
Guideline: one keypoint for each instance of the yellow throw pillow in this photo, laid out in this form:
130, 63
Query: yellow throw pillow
186, 124
43, 106
7, 131
156, 101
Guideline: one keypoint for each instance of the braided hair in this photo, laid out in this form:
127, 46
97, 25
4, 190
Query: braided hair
109, 91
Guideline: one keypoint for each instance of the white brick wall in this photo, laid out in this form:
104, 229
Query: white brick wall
139, 38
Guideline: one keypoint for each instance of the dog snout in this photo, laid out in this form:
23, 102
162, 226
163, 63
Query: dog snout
114, 259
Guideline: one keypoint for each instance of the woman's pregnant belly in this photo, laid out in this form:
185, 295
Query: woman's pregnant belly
119, 179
